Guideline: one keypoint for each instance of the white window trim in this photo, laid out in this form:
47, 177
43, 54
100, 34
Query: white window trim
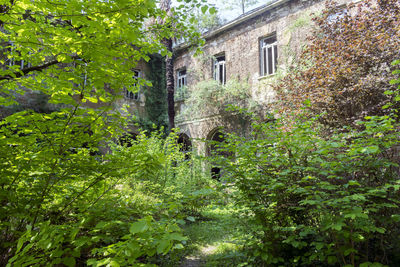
181, 78
265, 71
11, 60
217, 65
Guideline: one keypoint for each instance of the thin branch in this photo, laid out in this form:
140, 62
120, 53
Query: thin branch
97, 180
25, 71
81, 14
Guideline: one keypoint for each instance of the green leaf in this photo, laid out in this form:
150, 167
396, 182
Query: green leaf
212, 10
138, 227
162, 246
69, 261
113, 263
190, 218
176, 236
179, 246
395, 62
20, 243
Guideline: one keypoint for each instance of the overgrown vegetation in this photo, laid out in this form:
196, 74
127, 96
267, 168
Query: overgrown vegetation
345, 69
156, 99
320, 200
126, 209
211, 97
318, 197
68, 195
289, 195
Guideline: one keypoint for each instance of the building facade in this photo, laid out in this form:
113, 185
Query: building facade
254, 49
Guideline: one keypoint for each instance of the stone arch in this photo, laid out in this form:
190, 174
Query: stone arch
215, 135
213, 138
185, 144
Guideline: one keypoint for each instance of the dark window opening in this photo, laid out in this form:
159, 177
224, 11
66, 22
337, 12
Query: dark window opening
185, 145
215, 149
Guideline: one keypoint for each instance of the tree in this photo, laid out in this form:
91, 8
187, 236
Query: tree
345, 70
241, 4
169, 68
207, 22
79, 55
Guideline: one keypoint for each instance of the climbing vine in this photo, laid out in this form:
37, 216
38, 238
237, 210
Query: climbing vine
155, 101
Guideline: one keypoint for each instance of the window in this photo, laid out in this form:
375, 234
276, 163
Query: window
12, 56
268, 55
220, 69
181, 82
180, 92
128, 91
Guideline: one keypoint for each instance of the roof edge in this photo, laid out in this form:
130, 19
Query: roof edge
237, 21
244, 18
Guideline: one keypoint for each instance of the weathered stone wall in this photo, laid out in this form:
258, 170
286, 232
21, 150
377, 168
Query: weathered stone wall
291, 21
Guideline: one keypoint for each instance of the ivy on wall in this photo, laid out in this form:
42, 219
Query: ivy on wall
155, 103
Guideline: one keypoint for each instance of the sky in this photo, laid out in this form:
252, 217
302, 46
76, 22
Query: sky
229, 15
223, 11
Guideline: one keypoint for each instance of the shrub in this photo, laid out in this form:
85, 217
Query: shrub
345, 69
320, 200
122, 208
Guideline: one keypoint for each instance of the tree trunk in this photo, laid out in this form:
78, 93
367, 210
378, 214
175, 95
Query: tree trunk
169, 71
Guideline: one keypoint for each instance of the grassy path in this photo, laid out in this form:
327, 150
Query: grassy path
215, 239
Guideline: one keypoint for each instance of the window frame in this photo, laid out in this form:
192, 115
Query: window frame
129, 94
265, 45
181, 79
218, 63
10, 61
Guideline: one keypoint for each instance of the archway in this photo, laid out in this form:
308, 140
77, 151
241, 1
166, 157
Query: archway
215, 138
185, 144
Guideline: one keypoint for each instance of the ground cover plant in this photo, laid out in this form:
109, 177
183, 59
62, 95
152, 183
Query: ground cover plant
134, 215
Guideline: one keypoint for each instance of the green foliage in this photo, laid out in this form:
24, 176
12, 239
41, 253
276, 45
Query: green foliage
316, 200
207, 21
345, 70
211, 97
145, 238
155, 103
132, 216
63, 199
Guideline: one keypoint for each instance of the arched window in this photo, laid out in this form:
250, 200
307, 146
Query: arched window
215, 138
185, 144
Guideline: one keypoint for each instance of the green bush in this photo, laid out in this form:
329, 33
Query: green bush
63, 204
319, 199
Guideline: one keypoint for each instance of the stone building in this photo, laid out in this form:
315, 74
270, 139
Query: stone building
254, 49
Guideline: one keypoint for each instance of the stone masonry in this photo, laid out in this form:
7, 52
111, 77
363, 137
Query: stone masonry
240, 42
